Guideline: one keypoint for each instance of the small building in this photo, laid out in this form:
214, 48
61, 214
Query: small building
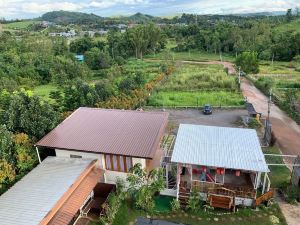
118, 139
54, 193
80, 58
225, 165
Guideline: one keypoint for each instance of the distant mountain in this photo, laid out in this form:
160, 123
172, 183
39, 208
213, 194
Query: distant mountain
275, 13
140, 18
66, 17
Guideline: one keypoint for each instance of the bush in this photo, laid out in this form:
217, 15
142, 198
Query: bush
194, 202
292, 193
175, 205
254, 124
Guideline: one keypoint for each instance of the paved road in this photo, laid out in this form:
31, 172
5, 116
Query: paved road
286, 130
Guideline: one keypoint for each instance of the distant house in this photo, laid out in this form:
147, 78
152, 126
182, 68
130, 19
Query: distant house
54, 193
80, 58
225, 165
118, 139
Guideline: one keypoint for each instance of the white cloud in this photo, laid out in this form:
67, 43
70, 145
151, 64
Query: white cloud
34, 7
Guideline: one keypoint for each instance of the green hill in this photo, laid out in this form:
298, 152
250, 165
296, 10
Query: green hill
140, 18
66, 17
289, 26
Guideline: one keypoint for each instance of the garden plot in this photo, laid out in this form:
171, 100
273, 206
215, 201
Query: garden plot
196, 85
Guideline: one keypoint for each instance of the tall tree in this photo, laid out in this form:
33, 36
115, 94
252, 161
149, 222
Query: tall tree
30, 115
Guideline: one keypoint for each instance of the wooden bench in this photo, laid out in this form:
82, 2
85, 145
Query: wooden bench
221, 201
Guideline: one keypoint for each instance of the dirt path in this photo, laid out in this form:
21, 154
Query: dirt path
285, 129
290, 212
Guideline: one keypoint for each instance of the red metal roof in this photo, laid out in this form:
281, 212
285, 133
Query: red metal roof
120, 132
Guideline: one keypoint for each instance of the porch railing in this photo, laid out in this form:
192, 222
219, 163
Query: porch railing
205, 187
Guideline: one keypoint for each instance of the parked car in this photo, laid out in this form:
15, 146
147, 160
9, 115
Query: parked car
207, 110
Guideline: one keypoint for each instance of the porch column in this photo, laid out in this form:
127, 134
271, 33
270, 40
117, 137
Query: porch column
257, 180
38, 154
167, 176
264, 184
179, 168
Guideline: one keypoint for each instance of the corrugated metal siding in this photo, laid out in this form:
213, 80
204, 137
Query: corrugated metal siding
30, 199
75, 201
121, 132
234, 148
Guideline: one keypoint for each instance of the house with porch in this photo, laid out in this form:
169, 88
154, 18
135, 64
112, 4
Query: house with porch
118, 139
225, 165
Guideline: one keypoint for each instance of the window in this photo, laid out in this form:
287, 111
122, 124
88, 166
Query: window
118, 163
75, 156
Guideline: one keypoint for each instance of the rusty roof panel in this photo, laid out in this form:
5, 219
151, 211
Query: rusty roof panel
121, 132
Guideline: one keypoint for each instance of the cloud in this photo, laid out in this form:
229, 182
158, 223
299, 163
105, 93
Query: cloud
34, 7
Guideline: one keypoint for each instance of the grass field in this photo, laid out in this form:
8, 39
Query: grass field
192, 56
18, 25
199, 98
44, 90
196, 85
127, 215
279, 175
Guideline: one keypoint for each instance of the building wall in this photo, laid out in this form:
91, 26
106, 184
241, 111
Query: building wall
109, 176
84, 155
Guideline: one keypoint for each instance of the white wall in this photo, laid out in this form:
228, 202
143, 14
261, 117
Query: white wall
110, 176
84, 155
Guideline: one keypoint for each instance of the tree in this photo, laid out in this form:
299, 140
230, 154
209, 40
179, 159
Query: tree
6, 145
7, 173
80, 46
104, 89
248, 62
78, 95
143, 186
289, 15
30, 115
97, 59
25, 156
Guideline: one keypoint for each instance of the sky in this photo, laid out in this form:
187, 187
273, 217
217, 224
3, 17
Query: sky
21, 9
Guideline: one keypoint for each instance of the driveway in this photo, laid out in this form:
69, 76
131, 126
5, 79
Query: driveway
219, 117
286, 130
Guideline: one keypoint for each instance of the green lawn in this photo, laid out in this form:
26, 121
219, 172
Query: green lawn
127, 214
44, 90
18, 25
279, 175
199, 98
196, 85
191, 55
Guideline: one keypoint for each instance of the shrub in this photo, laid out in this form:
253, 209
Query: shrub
175, 205
254, 124
292, 193
194, 202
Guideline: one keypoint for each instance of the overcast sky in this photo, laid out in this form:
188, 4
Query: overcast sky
11, 9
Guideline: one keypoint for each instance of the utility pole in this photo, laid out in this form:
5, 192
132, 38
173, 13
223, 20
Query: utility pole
239, 75
269, 105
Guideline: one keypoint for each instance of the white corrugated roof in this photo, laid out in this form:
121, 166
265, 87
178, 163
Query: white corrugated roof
234, 148
30, 199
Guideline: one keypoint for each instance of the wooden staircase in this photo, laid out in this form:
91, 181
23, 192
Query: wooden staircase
183, 196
